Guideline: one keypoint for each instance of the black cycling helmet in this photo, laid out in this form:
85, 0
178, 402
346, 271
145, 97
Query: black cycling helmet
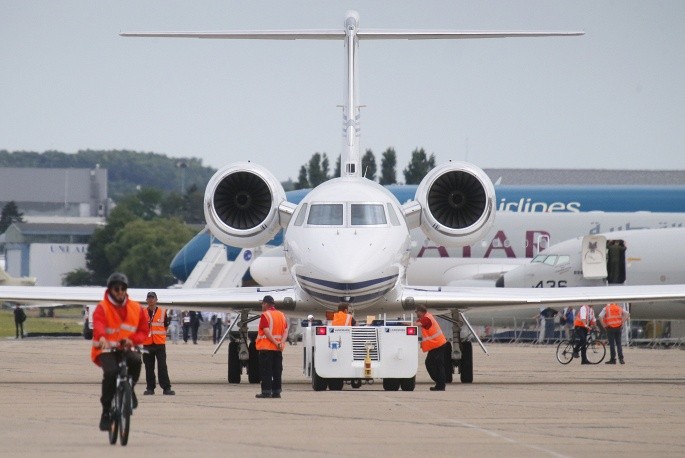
117, 277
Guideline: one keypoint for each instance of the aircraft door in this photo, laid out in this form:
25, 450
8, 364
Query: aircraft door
616, 262
594, 260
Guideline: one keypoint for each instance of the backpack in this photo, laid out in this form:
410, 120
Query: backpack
22, 316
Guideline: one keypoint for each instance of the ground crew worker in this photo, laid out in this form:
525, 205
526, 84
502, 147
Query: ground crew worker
612, 317
116, 318
155, 345
273, 328
434, 342
583, 321
343, 317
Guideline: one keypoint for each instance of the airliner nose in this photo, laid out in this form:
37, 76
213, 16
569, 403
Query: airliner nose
500, 282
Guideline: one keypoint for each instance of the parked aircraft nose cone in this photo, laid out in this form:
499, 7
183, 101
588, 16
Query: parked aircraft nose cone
500, 282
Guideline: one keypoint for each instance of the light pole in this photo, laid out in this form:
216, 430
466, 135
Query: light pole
183, 165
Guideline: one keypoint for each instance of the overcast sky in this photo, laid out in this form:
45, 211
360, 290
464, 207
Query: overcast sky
614, 98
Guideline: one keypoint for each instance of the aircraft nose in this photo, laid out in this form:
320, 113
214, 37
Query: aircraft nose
500, 282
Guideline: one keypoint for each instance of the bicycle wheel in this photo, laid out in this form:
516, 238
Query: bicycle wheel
565, 352
125, 408
113, 422
596, 352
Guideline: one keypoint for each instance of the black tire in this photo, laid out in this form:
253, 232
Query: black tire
391, 384
318, 383
234, 366
253, 375
449, 365
113, 423
596, 351
125, 407
336, 384
565, 352
356, 383
408, 384
466, 363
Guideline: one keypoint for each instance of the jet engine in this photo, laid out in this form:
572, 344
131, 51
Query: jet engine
457, 202
241, 205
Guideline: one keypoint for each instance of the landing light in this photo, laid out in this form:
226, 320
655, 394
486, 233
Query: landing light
412, 331
321, 330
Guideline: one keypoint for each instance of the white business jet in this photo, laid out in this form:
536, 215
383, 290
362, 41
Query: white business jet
349, 238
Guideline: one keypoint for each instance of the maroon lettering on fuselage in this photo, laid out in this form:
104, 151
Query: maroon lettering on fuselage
535, 241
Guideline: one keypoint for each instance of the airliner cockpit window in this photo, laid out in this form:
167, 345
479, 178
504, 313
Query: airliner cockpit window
367, 214
325, 215
564, 259
539, 258
551, 260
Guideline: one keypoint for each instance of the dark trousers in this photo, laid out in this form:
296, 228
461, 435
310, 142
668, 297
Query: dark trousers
614, 337
110, 369
186, 332
156, 352
435, 365
581, 342
20, 329
216, 331
270, 369
193, 329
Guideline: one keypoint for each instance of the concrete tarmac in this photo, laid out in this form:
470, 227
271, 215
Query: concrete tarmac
522, 403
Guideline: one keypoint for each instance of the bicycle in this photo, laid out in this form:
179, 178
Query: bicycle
122, 402
595, 350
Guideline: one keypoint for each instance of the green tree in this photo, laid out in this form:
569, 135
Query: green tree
317, 172
78, 277
418, 167
369, 165
146, 203
337, 173
10, 214
388, 164
97, 261
302, 182
143, 250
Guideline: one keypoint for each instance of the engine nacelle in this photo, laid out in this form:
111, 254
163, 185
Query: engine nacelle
457, 202
241, 205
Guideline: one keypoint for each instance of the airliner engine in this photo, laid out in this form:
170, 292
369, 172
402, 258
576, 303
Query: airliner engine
457, 204
241, 205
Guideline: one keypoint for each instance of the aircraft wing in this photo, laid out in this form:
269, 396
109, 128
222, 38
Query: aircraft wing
471, 298
209, 299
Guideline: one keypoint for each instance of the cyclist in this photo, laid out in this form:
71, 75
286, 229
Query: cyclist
117, 319
584, 321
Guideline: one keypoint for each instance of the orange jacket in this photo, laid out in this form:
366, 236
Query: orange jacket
157, 334
613, 316
341, 319
432, 337
117, 323
278, 326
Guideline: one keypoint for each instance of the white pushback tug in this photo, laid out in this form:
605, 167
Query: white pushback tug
335, 355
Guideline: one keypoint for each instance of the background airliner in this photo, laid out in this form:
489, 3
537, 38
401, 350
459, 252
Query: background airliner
349, 238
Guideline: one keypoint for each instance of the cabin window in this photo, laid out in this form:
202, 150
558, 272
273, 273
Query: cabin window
367, 214
393, 216
300, 216
325, 215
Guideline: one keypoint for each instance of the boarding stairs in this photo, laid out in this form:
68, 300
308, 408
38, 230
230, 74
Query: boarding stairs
214, 270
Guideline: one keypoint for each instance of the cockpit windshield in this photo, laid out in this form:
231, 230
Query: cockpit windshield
551, 260
325, 215
367, 214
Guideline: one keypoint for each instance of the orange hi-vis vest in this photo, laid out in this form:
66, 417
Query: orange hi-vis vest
432, 337
613, 316
116, 329
157, 334
277, 326
341, 319
582, 322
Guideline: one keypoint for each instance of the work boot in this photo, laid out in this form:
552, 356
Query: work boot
621, 361
104, 421
611, 361
276, 395
262, 395
575, 354
437, 388
169, 392
148, 392
585, 362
